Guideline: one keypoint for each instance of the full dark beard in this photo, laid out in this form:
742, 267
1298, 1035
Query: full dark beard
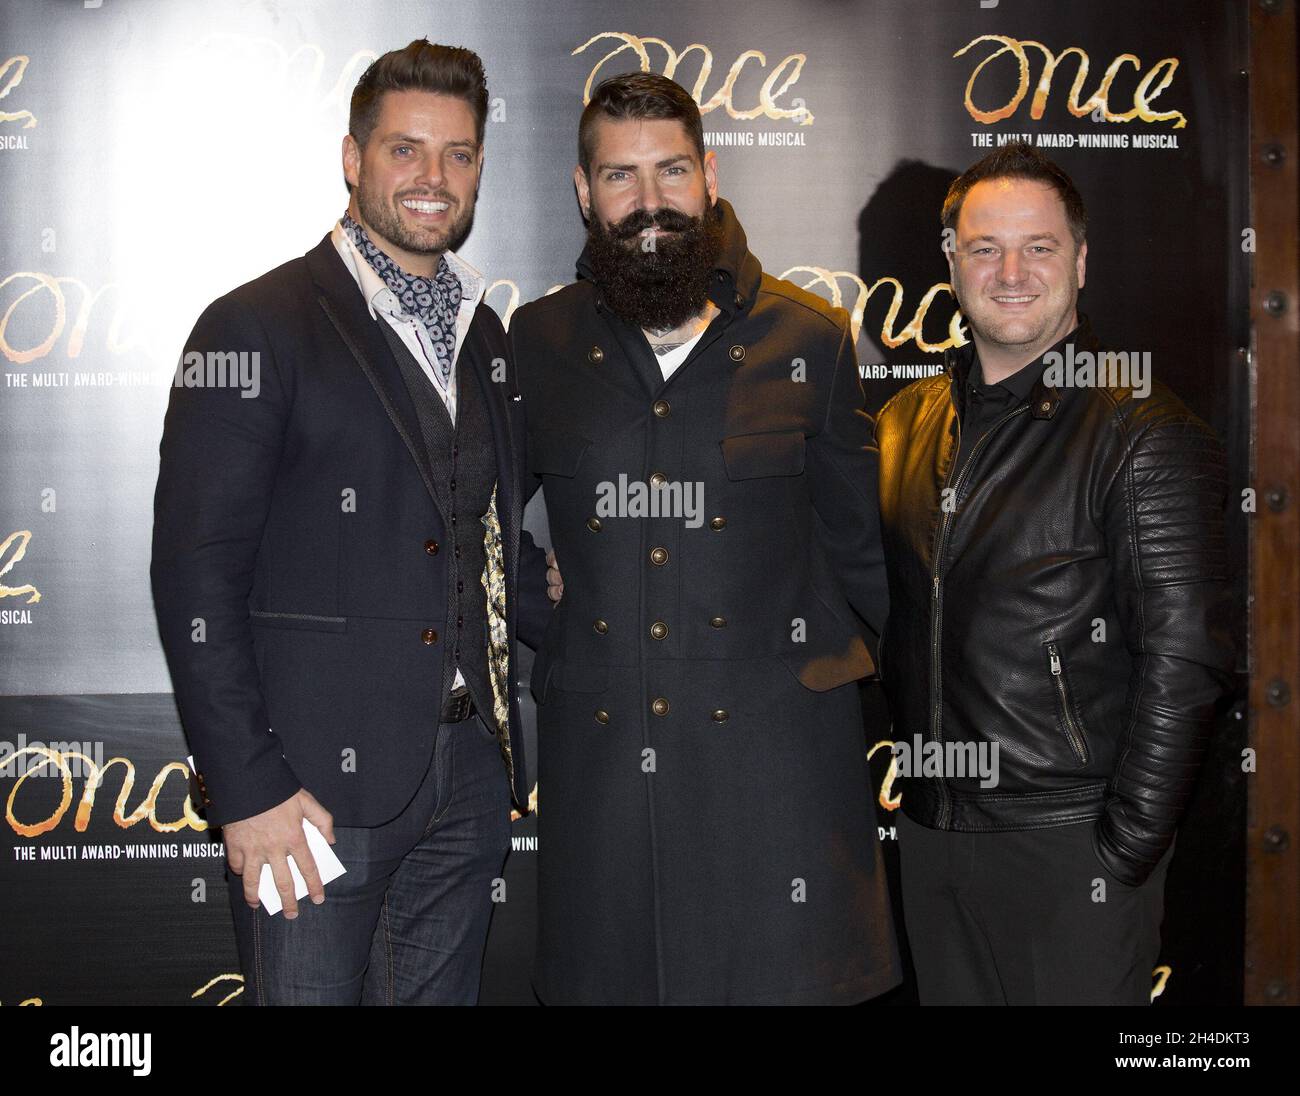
662, 288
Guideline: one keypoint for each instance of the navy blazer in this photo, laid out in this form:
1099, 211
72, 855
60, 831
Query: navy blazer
298, 576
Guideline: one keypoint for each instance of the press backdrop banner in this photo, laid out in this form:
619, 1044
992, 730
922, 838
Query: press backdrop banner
153, 155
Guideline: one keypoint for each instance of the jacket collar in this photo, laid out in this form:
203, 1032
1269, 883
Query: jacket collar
736, 276
1043, 399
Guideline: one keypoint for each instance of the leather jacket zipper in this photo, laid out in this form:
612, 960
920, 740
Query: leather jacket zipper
1072, 730
936, 598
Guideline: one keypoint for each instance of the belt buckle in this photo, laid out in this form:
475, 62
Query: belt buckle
459, 708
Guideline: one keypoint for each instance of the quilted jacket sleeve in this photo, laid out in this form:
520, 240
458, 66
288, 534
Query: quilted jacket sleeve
1164, 519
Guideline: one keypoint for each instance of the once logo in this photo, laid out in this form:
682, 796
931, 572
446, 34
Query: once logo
772, 89
1099, 100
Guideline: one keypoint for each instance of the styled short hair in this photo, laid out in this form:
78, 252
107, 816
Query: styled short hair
638, 95
420, 66
1018, 160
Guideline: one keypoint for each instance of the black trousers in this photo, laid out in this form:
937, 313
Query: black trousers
1028, 917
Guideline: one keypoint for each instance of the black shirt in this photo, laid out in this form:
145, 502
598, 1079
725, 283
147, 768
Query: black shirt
986, 403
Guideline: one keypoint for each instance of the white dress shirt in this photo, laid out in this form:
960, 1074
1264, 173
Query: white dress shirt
383, 302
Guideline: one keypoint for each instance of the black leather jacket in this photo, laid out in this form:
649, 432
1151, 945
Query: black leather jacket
1071, 603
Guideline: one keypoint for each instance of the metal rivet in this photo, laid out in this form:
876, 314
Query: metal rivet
1276, 839
1276, 498
1277, 693
1273, 155
1275, 303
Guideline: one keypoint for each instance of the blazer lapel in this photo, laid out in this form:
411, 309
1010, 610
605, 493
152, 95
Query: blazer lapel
341, 301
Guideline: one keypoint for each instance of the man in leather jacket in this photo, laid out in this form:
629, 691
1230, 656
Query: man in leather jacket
1055, 544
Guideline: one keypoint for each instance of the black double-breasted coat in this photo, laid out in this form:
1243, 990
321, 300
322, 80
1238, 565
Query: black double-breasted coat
706, 824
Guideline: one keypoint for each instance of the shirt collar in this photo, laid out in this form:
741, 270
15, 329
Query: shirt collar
1019, 384
375, 291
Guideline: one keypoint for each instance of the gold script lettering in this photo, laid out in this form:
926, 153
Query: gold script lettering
24, 537
913, 331
768, 94
1142, 95
147, 809
77, 335
14, 69
887, 799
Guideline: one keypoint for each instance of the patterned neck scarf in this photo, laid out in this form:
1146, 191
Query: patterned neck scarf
434, 301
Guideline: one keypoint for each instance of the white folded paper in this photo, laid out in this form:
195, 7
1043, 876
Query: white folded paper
327, 865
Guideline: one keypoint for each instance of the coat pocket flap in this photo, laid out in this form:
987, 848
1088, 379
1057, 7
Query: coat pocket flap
306, 622
555, 452
748, 456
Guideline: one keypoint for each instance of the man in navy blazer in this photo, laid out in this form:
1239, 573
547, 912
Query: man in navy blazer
340, 573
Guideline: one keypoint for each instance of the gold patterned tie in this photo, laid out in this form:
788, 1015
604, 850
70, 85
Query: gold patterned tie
498, 647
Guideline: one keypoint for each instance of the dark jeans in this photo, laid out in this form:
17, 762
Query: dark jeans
1013, 918
408, 921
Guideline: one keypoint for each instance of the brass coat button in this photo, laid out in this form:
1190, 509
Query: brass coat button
431, 546
717, 622
429, 636
602, 716
737, 353
718, 524
662, 408
658, 629
740, 300
720, 716
658, 556
596, 355
593, 524
659, 706
658, 479
600, 626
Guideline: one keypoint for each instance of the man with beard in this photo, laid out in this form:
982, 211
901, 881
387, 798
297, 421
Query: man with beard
339, 575
1059, 594
708, 833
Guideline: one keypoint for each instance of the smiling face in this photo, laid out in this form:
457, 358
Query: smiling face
415, 182
1015, 272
